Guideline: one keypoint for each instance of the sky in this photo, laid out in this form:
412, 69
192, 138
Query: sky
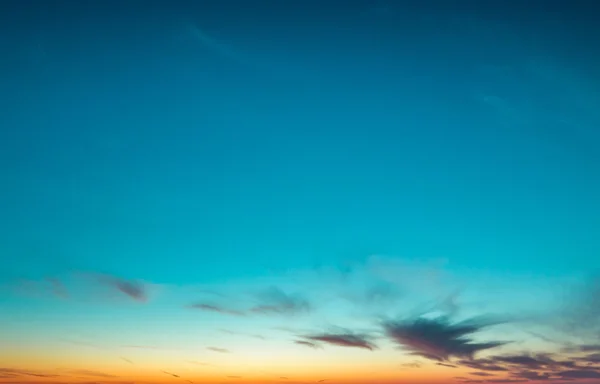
338, 192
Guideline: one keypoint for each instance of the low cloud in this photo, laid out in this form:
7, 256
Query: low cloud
344, 340
307, 343
439, 338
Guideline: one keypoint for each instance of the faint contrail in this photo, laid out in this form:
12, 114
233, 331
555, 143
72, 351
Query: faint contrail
217, 46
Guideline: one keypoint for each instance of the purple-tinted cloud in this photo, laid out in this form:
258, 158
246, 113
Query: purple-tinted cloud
439, 339
308, 343
344, 340
580, 374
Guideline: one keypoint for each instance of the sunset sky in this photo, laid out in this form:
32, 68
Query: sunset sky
339, 192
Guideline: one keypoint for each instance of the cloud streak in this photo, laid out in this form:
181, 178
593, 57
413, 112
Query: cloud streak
343, 340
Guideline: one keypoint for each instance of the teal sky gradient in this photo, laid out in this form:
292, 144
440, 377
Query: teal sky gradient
196, 147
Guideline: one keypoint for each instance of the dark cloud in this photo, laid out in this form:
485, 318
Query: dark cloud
307, 343
133, 289
446, 365
593, 358
584, 348
170, 374
532, 375
216, 308
344, 340
483, 365
217, 349
580, 374
438, 338
481, 374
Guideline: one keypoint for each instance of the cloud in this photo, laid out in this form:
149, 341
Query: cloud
86, 372
126, 360
199, 363
438, 338
170, 374
483, 365
481, 374
133, 289
58, 289
580, 374
307, 343
216, 308
213, 44
344, 340
12, 372
217, 349
276, 301
272, 301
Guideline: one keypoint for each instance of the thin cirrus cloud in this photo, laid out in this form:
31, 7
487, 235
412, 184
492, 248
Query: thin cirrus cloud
132, 289
343, 340
82, 286
308, 343
217, 309
219, 350
272, 301
87, 372
16, 373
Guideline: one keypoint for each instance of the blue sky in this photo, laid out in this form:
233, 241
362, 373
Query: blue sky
197, 146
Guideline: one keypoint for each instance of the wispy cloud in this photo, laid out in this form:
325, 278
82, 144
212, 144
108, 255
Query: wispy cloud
217, 349
171, 374
87, 372
135, 290
270, 301
58, 289
13, 373
344, 340
307, 343
216, 308
274, 300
